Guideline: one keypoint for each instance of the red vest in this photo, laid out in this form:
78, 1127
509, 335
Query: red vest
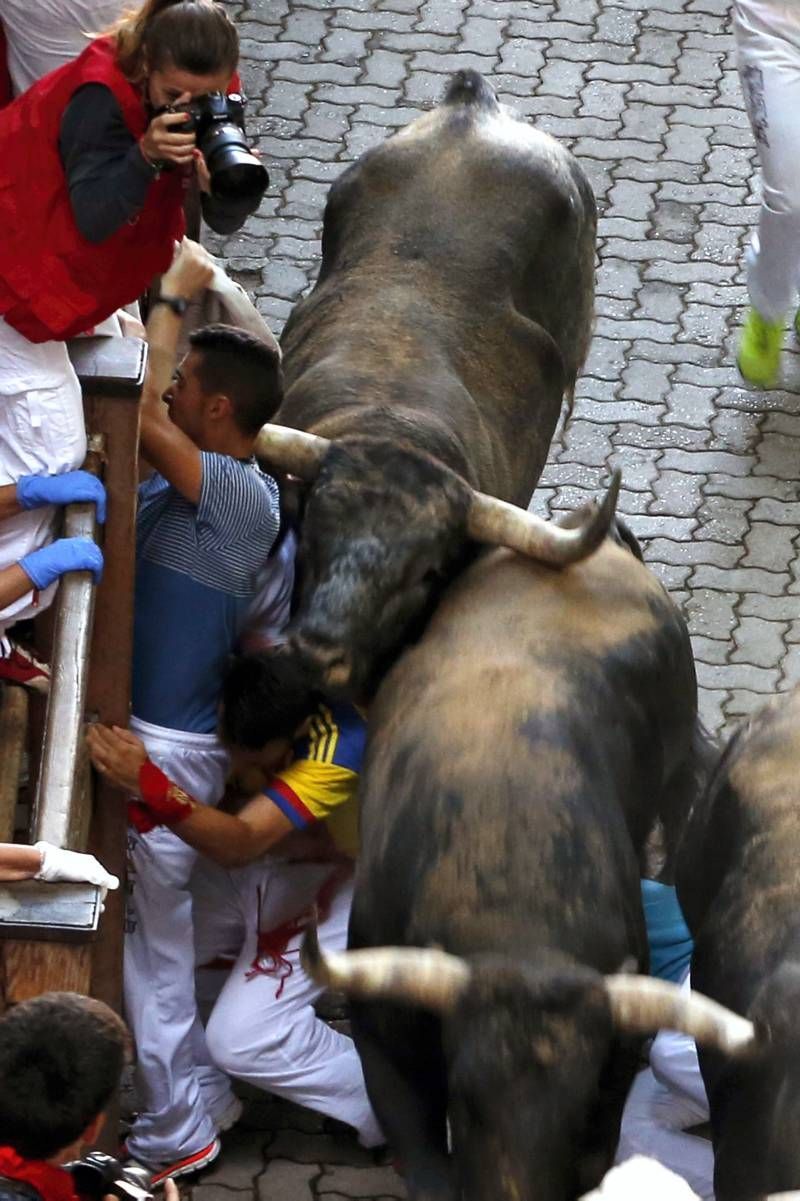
53, 283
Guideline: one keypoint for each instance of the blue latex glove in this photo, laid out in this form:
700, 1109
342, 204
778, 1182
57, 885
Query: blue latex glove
67, 554
33, 491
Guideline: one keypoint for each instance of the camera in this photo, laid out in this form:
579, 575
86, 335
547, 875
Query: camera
98, 1174
217, 122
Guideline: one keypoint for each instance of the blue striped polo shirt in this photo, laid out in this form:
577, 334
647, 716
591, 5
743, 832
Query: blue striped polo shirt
196, 570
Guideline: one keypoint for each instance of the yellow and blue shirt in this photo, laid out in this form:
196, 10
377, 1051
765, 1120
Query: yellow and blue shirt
320, 783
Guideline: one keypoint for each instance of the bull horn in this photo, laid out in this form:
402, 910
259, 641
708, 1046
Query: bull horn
642, 1005
426, 977
501, 524
293, 451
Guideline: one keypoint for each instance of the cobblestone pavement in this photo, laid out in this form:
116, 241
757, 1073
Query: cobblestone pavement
648, 98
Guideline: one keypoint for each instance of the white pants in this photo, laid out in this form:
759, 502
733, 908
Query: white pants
47, 34
262, 1027
768, 44
41, 432
665, 1099
183, 1096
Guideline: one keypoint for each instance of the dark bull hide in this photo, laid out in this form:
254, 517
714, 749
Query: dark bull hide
739, 886
452, 312
517, 758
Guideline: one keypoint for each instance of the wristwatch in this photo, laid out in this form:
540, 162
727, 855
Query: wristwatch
178, 304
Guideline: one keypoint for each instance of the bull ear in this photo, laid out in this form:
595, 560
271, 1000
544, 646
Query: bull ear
423, 977
642, 1005
500, 524
292, 451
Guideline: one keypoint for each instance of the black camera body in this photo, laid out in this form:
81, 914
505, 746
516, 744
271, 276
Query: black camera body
98, 1174
217, 121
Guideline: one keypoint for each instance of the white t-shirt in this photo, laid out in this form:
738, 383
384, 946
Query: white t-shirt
45, 34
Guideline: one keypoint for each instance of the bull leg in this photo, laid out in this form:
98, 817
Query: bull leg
405, 1077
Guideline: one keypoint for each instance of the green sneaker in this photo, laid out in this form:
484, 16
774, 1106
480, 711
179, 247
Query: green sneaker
797, 325
759, 354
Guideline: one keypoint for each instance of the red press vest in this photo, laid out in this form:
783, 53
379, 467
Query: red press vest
53, 283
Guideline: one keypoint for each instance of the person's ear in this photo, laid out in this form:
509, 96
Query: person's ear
220, 407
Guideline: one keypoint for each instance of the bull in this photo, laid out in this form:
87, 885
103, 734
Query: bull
428, 367
516, 760
739, 887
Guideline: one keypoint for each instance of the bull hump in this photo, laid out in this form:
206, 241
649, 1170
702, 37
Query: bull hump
765, 767
596, 605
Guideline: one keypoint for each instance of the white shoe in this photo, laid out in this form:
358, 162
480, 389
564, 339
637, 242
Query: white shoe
229, 1117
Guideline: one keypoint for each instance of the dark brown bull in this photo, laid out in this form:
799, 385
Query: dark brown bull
739, 886
517, 758
452, 312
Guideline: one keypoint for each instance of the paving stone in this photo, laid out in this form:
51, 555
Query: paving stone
758, 642
286, 1181
309, 1147
361, 1182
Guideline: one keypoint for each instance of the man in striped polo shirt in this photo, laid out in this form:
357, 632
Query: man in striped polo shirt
206, 523
286, 856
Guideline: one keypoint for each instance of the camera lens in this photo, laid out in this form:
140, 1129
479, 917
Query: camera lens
235, 172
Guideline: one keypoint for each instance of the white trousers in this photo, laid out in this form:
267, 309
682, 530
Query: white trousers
183, 1096
47, 34
768, 46
666, 1099
41, 432
262, 1027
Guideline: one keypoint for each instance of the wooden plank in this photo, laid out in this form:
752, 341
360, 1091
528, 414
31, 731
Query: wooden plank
108, 367
108, 694
13, 734
48, 911
31, 968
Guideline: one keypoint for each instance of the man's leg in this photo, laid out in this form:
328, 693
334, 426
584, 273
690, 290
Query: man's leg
159, 962
264, 1030
219, 934
768, 53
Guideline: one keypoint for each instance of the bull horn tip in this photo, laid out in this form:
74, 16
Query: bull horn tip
609, 505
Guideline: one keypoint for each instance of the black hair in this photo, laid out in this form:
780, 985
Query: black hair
61, 1057
244, 368
264, 696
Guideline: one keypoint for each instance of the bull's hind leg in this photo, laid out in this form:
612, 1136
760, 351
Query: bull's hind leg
404, 1071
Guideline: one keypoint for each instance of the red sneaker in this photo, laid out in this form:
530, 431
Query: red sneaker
184, 1167
20, 666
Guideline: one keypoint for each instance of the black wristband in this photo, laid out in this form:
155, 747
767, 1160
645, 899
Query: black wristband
178, 304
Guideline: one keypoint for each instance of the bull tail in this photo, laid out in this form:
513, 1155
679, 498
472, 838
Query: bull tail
468, 87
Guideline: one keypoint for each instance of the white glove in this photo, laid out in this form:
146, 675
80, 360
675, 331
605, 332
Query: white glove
72, 866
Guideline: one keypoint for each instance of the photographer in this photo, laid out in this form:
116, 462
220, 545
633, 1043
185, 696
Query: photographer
61, 1057
93, 174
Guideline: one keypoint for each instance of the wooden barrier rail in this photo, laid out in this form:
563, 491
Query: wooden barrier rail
50, 934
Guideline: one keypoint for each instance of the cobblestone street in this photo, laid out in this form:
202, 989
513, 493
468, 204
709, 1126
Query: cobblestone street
649, 100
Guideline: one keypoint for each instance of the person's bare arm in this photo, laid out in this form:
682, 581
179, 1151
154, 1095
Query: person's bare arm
14, 583
166, 447
232, 840
19, 862
9, 504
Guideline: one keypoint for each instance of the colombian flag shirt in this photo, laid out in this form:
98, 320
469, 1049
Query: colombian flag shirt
320, 783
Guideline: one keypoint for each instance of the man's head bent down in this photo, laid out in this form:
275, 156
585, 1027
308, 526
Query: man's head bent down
229, 384
61, 1057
